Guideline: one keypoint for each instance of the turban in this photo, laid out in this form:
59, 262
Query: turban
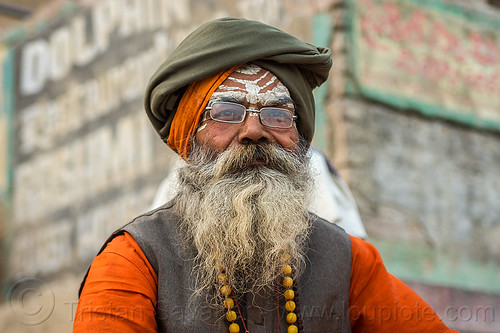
225, 43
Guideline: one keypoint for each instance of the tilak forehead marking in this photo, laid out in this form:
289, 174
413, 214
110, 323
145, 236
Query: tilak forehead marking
253, 85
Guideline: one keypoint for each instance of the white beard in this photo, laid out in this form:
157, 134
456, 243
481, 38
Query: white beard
244, 217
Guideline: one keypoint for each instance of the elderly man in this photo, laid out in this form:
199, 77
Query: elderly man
237, 246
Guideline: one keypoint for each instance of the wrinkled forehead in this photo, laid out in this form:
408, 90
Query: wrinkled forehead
253, 85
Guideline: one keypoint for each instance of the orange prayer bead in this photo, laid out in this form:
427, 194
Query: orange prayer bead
228, 303
290, 306
285, 257
222, 278
287, 281
231, 316
289, 294
287, 269
291, 318
234, 328
293, 329
225, 290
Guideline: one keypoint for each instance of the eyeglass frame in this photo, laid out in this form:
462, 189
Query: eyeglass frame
247, 110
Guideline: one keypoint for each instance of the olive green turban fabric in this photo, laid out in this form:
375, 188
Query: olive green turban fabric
224, 43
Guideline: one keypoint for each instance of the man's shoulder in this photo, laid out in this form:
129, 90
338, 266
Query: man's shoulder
326, 235
323, 226
161, 217
157, 232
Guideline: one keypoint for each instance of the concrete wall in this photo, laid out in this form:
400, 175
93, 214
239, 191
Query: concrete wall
420, 152
82, 158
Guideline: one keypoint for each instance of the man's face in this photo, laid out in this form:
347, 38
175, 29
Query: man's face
242, 209
244, 194
254, 88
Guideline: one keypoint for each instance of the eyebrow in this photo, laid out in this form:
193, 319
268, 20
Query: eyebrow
279, 101
226, 99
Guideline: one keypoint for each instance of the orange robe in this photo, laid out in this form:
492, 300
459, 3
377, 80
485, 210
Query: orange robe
120, 294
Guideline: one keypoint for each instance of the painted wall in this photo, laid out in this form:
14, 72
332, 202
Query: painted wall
414, 128
79, 156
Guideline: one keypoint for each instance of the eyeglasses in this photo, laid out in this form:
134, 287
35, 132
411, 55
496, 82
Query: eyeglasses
227, 112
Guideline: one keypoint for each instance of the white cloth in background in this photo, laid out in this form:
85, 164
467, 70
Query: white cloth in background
331, 199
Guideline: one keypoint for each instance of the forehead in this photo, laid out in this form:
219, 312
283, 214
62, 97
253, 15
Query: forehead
252, 84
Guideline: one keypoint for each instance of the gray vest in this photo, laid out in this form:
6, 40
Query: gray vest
322, 290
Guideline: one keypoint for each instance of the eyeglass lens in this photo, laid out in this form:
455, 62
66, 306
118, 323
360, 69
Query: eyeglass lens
235, 113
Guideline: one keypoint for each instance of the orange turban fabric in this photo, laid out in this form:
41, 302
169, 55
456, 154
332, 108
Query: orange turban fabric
191, 107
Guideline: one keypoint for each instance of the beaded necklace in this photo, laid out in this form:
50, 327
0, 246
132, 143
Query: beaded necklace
230, 300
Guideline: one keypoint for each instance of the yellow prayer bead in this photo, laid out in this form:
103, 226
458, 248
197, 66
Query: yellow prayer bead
225, 290
285, 257
290, 306
289, 294
228, 303
234, 328
287, 269
222, 278
287, 281
231, 316
293, 329
219, 267
291, 318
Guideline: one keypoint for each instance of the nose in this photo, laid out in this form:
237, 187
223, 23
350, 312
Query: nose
253, 131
